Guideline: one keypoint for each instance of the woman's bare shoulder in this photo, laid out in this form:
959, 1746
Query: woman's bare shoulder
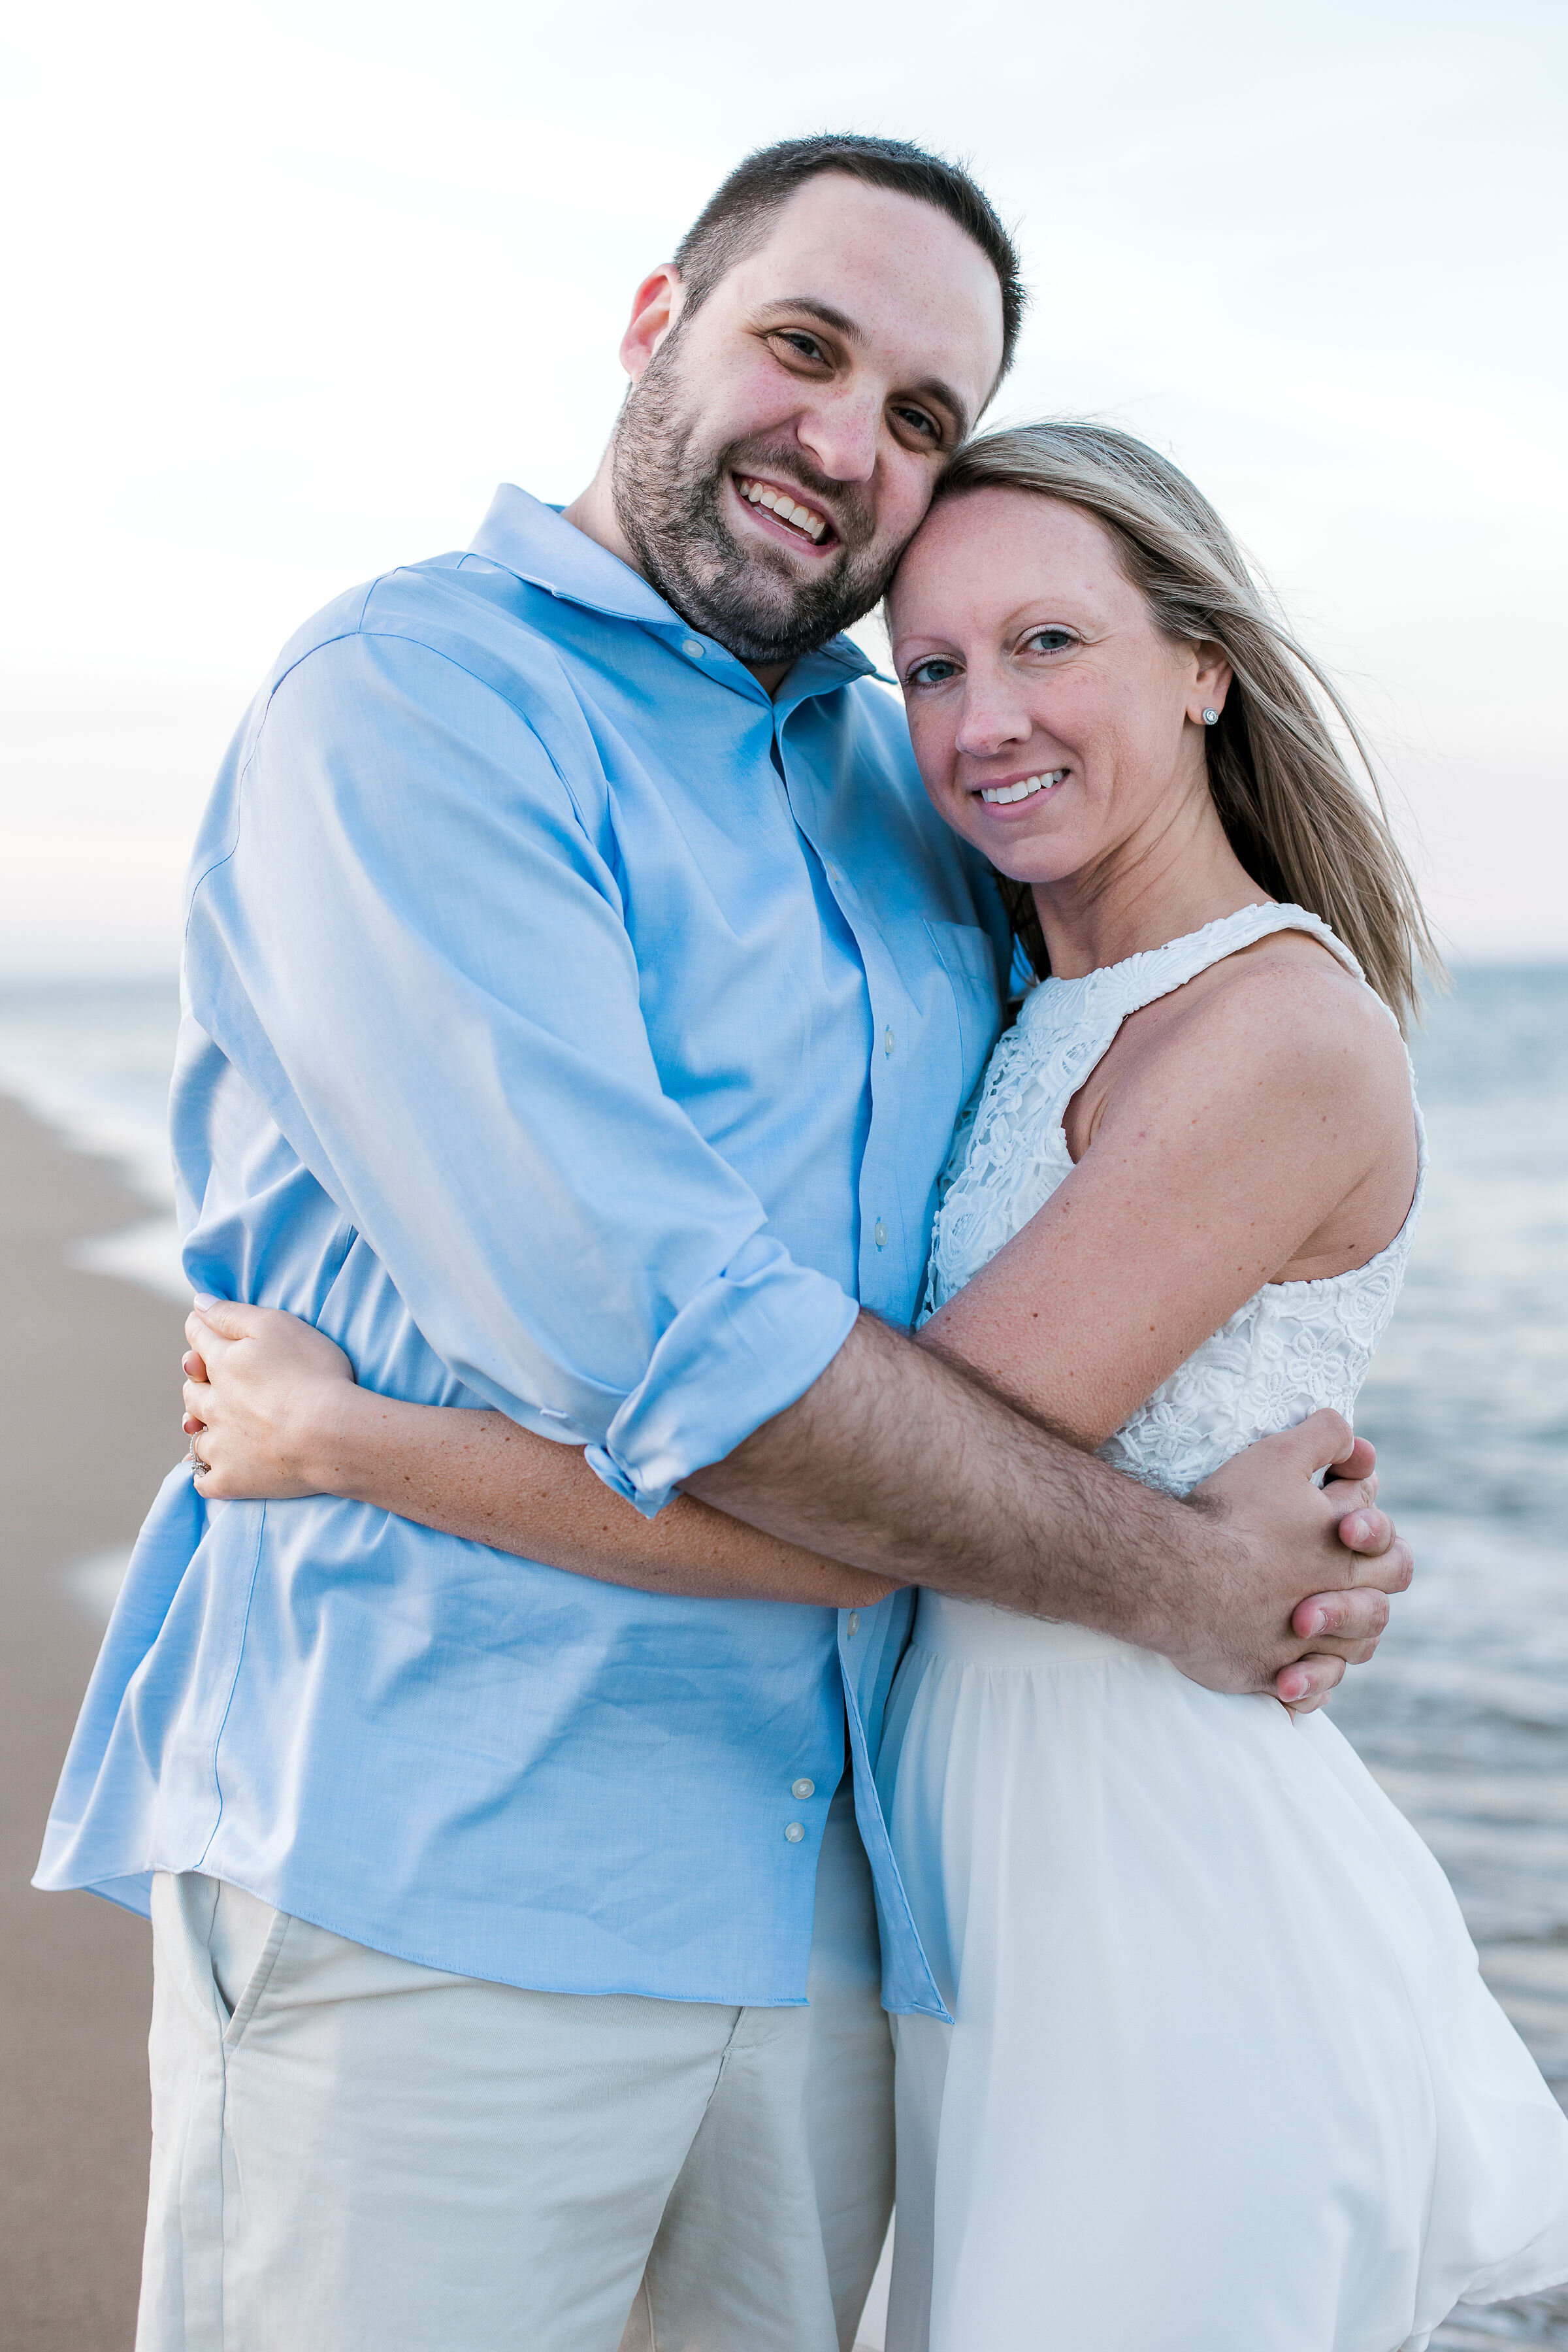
1287, 1007
1279, 1037
1296, 966
1277, 1081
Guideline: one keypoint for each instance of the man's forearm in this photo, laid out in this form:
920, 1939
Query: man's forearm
899, 1462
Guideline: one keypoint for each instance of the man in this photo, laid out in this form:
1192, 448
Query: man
580, 996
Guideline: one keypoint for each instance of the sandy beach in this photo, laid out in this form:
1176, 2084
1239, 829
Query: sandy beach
88, 1396
1464, 1717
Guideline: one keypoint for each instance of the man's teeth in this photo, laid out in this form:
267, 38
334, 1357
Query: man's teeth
786, 509
1024, 790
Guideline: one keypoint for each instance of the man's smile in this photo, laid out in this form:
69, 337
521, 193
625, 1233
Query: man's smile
783, 511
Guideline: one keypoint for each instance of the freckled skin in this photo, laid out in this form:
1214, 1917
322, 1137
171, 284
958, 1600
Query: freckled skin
919, 1474
1253, 1126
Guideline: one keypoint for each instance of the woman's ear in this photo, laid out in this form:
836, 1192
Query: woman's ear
1211, 682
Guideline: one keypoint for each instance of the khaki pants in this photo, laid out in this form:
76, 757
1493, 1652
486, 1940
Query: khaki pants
355, 2154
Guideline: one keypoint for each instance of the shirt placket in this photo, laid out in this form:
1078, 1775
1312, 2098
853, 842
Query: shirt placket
885, 1244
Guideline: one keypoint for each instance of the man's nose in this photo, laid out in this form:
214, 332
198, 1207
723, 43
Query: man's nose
841, 436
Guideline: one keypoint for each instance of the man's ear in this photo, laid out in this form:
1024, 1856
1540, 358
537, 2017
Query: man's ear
656, 307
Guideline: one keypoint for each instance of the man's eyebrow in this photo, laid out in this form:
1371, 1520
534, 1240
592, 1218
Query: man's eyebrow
940, 394
814, 309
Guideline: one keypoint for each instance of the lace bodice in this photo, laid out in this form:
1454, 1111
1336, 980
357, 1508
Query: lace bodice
1294, 1346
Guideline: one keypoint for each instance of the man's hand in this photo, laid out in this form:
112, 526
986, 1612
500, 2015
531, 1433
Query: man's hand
910, 1465
1266, 1498
258, 1395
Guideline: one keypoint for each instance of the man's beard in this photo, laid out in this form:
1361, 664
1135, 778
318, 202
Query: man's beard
669, 502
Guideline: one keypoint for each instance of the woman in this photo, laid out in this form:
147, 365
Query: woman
1178, 1220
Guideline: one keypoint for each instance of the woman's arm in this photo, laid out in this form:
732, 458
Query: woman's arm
1257, 1124
280, 1415
1253, 1127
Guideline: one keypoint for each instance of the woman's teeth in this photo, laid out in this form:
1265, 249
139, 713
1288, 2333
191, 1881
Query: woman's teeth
1005, 794
783, 509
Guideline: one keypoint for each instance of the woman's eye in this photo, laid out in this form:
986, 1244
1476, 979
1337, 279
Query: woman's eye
935, 672
1051, 641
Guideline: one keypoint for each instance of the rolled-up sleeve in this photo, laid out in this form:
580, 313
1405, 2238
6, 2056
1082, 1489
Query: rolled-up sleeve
408, 938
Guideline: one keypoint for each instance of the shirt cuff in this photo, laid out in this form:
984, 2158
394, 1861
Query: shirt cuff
751, 1342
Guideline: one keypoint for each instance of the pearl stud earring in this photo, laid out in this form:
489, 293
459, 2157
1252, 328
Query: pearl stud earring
1211, 718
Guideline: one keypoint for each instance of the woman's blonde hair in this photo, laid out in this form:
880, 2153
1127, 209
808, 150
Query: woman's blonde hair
1287, 799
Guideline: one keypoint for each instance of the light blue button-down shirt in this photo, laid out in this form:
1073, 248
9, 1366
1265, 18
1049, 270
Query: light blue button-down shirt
568, 1028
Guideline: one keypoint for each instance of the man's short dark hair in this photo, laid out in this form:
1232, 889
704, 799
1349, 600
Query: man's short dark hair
735, 220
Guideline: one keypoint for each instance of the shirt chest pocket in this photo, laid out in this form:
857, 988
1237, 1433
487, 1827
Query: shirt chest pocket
968, 962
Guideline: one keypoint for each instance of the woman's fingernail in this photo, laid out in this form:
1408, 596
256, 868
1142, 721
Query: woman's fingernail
205, 1298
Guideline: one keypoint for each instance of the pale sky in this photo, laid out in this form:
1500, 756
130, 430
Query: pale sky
290, 288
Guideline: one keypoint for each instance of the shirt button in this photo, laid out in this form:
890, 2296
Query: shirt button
887, 1041
802, 1789
879, 1234
795, 1831
692, 648
854, 1625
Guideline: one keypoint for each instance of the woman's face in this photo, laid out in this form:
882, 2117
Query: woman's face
1033, 671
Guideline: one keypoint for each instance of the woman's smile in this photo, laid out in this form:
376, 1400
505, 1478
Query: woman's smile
1014, 792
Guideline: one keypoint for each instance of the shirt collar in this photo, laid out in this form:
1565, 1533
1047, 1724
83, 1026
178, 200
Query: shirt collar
536, 543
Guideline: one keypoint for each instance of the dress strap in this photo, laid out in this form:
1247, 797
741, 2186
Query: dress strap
1156, 972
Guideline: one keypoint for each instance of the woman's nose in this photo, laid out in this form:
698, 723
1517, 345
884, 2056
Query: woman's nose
991, 720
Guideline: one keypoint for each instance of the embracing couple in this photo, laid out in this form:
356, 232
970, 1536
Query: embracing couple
780, 1510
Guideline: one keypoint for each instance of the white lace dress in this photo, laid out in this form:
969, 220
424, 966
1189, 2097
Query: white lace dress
1223, 2075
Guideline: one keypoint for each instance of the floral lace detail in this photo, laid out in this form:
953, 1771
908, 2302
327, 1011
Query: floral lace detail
1293, 1347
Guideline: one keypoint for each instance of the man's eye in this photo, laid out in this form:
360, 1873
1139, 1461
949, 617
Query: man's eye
919, 422
807, 346
935, 672
1051, 641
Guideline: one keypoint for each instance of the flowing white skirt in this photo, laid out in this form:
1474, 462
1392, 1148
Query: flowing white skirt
1224, 2075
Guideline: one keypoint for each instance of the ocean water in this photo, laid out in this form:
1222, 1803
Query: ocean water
93, 1058
1464, 1712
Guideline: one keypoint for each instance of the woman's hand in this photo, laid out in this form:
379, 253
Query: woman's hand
273, 1412
261, 1391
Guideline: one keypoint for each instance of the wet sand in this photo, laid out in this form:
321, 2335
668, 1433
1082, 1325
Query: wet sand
89, 1415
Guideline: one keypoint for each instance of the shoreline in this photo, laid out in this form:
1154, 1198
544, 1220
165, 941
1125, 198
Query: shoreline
84, 1264
89, 1403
